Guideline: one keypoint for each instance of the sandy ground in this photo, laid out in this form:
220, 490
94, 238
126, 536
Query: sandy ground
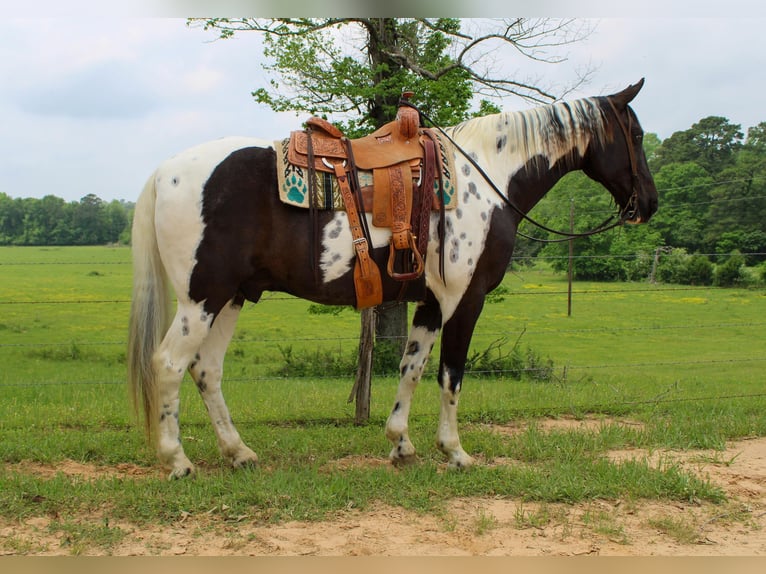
471, 527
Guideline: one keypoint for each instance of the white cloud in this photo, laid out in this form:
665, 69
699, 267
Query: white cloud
93, 105
202, 79
105, 90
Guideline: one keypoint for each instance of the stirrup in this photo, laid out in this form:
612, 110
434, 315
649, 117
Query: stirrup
415, 273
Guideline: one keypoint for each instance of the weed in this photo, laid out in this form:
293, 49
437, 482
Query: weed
484, 522
13, 328
604, 523
319, 362
79, 537
18, 546
538, 519
332, 310
676, 528
735, 513
716, 459
66, 352
450, 523
517, 362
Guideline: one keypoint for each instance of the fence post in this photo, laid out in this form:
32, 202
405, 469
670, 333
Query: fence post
361, 389
571, 256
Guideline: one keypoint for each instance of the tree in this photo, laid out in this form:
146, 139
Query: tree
713, 187
88, 221
712, 143
737, 215
44, 220
11, 219
115, 220
356, 68
685, 198
618, 255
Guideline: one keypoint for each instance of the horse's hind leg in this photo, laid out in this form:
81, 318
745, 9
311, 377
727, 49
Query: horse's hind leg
425, 328
187, 332
207, 372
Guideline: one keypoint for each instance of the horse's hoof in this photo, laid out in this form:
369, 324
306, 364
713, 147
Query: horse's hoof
403, 461
243, 457
399, 460
460, 461
181, 472
245, 462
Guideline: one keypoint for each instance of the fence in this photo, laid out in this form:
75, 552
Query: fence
701, 329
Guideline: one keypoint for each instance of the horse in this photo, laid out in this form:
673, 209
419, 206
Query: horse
209, 225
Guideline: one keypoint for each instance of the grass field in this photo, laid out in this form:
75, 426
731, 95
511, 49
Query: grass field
685, 363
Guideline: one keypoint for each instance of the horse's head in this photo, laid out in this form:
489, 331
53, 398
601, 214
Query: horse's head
618, 162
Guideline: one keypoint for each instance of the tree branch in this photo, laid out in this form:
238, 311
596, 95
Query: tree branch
481, 49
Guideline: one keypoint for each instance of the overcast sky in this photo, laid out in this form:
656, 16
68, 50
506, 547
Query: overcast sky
93, 105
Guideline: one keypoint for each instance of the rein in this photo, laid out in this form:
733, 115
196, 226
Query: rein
624, 214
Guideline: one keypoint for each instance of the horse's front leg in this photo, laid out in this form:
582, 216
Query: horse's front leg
425, 328
456, 339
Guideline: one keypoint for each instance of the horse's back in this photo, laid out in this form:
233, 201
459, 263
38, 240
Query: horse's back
196, 164
180, 183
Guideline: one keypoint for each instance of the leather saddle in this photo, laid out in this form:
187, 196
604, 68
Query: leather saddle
403, 159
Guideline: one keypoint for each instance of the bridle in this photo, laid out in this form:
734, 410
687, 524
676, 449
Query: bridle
625, 214
630, 208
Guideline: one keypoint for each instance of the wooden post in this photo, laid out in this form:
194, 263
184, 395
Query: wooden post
654, 265
363, 383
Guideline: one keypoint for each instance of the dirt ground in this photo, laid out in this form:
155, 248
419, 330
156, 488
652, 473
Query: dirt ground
471, 527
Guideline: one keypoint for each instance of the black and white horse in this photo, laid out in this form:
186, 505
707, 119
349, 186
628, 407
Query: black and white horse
210, 225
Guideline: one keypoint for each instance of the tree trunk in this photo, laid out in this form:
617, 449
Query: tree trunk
387, 334
391, 330
391, 334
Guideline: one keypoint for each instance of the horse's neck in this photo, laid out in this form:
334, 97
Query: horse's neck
529, 185
516, 153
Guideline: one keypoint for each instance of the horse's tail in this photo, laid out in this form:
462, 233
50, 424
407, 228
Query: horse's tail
149, 310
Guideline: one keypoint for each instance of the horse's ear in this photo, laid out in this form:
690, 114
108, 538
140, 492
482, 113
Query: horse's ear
623, 98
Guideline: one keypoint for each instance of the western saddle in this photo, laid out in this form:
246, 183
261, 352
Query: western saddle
403, 159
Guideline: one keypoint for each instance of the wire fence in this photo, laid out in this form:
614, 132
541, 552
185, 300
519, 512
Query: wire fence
694, 327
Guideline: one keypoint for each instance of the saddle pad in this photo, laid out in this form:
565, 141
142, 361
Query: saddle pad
294, 186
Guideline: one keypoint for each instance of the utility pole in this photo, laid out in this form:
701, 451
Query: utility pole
571, 256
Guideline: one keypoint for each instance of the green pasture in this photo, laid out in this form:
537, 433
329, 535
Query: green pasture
684, 364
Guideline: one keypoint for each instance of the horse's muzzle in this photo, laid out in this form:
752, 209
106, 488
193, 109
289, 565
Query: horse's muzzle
641, 209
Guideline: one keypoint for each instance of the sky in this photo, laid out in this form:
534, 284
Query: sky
93, 104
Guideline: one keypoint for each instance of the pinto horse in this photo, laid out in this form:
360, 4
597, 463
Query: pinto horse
210, 225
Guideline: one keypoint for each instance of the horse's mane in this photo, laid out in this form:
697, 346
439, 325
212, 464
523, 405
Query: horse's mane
555, 131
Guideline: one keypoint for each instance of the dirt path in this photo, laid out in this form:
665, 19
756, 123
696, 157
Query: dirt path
472, 527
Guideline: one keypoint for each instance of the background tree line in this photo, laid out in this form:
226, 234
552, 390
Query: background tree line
712, 184
53, 221
711, 180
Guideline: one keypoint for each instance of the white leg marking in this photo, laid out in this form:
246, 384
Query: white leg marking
207, 372
419, 345
447, 436
170, 362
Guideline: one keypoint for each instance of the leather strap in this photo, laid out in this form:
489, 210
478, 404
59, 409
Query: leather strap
426, 192
312, 191
367, 280
420, 219
401, 190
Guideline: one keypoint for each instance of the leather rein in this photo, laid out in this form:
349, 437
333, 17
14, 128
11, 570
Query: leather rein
624, 214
